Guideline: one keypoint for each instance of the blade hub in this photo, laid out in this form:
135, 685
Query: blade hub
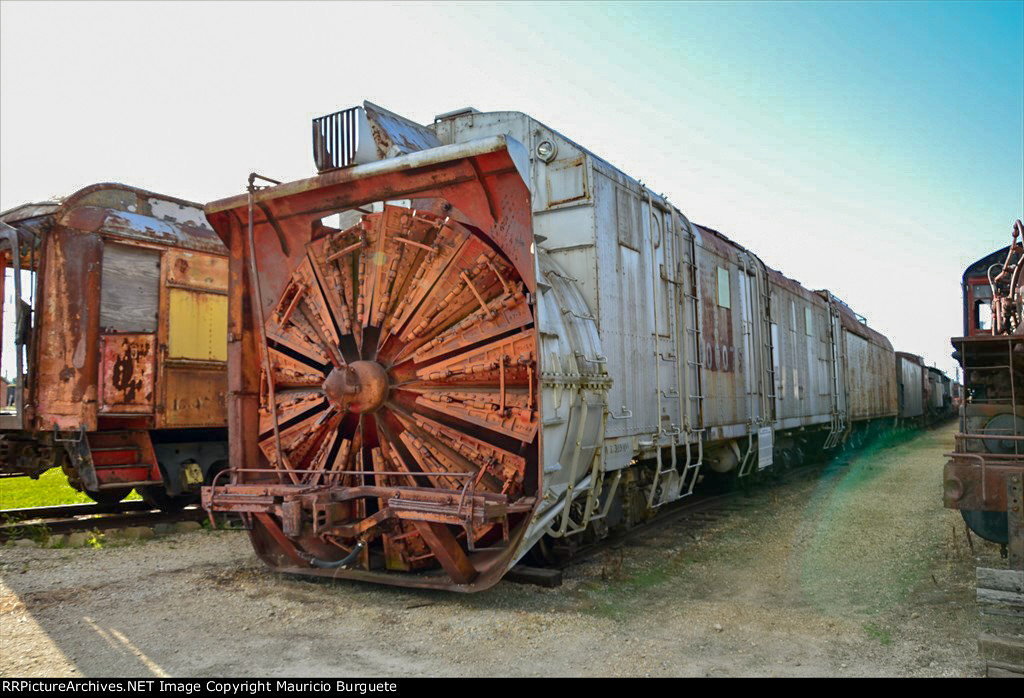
360, 387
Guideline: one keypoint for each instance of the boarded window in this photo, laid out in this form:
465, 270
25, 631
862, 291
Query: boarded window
723, 288
627, 213
198, 325
824, 377
130, 291
567, 181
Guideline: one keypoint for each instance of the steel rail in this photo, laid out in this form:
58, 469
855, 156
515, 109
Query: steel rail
95, 522
62, 511
682, 508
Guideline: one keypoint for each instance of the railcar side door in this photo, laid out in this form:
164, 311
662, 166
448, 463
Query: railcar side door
129, 303
194, 346
66, 361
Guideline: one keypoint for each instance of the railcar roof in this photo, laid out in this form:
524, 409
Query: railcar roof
851, 321
980, 267
24, 212
912, 357
121, 211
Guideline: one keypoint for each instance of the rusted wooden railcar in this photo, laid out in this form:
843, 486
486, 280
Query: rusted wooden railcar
115, 340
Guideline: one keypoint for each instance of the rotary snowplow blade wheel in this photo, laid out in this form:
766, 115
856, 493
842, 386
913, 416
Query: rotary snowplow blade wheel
402, 354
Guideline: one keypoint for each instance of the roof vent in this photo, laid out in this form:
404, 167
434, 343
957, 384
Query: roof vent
342, 139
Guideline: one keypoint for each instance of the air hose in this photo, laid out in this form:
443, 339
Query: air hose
343, 562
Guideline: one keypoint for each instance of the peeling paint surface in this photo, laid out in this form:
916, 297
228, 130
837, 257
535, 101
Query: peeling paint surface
127, 373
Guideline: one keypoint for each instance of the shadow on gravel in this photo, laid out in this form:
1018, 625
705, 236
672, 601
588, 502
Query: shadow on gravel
855, 542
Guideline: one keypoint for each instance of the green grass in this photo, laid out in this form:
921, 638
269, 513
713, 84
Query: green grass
883, 635
50, 489
622, 586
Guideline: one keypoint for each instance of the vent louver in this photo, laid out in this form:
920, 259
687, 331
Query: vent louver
336, 139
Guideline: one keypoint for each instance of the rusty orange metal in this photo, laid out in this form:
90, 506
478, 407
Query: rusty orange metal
385, 381
108, 350
127, 374
195, 396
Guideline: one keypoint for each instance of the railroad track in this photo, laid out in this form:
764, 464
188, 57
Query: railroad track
700, 509
30, 522
697, 509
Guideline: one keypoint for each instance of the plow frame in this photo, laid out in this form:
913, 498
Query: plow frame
484, 181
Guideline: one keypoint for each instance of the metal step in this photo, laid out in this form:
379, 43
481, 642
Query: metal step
131, 483
113, 466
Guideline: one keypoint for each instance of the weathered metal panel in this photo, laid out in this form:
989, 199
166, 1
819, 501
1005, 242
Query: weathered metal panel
803, 382
871, 378
197, 271
908, 373
98, 265
619, 285
394, 134
197, 325
130, 291
567, 181
632, 292
26, 212
4, 257
196, 396
935, 395
127, 373
564, 181
134, 214
67, 361
725, 400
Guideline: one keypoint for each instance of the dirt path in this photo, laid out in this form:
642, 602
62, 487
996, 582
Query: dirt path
859, 572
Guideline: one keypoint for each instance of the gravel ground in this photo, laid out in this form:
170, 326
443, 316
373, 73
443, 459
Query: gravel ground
859, 572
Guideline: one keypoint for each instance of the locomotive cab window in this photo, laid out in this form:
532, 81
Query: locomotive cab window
980, 295
723, 288
982, 315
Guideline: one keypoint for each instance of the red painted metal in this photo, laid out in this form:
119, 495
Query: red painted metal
383, 386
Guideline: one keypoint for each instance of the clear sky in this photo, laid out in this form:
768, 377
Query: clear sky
874, 148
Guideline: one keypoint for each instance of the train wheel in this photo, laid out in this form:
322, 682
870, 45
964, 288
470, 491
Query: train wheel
108, 498
542, 554
782, 462
157, 497
715, 482
990, 525
214, 470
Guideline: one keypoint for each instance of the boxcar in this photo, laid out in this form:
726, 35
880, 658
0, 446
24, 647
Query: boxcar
910, 376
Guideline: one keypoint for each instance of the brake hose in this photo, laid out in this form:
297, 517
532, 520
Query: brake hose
343, 562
